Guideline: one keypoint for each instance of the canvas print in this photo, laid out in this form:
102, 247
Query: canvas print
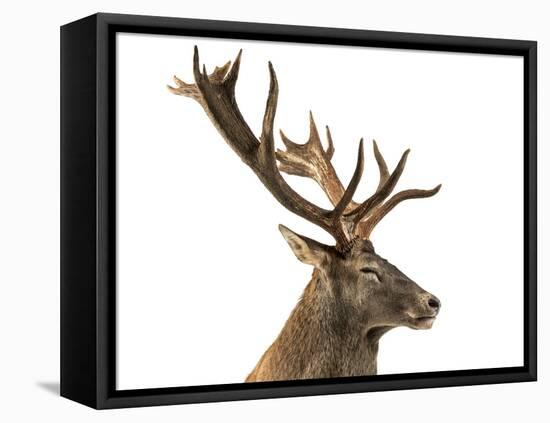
404, 215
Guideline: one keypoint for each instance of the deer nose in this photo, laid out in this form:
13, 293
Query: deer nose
434, 303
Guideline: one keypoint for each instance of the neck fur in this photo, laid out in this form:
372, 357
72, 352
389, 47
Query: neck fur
321, 339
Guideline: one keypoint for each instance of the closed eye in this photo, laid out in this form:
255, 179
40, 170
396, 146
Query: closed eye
370, 271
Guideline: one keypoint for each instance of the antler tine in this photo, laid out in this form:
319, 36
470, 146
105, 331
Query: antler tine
196, 66
365, 228
314, 140
382, 166
267, 145
354, 182
330, 149
381, 193
231, 79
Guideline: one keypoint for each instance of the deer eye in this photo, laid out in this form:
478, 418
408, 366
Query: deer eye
370, 271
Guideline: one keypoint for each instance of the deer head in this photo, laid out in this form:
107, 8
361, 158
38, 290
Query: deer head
372, 292
370, 288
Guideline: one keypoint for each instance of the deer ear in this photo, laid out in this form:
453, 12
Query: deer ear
307, 250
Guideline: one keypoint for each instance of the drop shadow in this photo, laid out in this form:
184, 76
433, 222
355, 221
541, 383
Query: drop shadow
51, 387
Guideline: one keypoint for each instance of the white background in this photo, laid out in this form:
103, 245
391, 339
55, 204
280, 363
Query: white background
206, 281
29, 224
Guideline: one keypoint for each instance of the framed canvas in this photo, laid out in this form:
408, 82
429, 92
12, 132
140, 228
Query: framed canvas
256, 211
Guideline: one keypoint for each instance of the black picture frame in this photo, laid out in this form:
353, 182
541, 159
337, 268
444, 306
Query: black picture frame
88, 201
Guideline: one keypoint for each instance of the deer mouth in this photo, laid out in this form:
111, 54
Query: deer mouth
422, 322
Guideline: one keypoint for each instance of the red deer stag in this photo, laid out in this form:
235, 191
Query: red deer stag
355, 296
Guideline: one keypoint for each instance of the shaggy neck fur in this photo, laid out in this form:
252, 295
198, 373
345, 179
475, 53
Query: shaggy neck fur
322, 338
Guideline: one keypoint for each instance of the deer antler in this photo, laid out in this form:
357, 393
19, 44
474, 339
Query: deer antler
312, 161
215, 92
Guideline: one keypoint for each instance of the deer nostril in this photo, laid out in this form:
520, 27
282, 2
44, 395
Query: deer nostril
434, 303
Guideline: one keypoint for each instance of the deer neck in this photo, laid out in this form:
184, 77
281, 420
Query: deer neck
322, 338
